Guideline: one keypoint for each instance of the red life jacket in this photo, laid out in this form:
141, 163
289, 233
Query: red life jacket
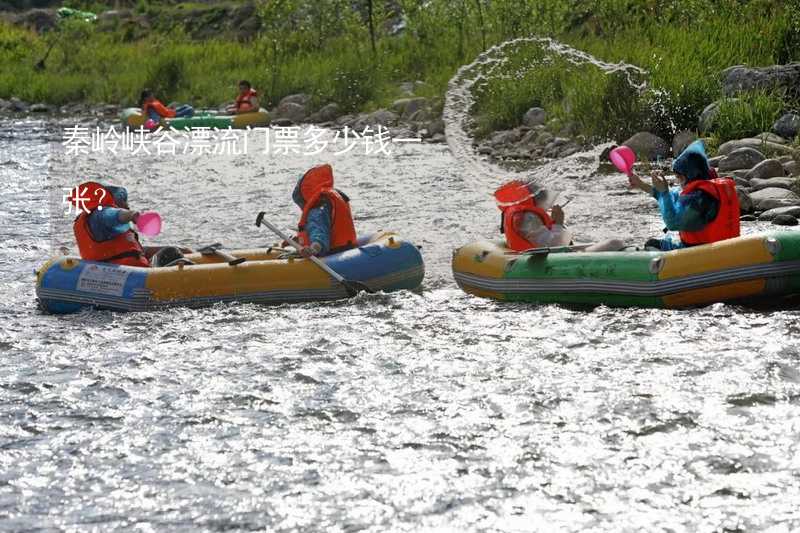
514, 198
159, 108
726, 224
243, 99
315, 185
124, 249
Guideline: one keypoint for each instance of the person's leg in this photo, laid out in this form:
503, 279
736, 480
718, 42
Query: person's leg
184, 111
611, 245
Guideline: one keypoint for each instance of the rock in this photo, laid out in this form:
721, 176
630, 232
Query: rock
741, 158
290, 111
18, 106
741, 182
381, 117
281, 122
110, 109
40, 108
438, 138
38, 20
421, 115
782, 183
773, 197
741, 173
768, 148
505, 137
535, 116
771, 138
647, 145
769, 168
740, 78
301, 99
772, 213
714, 161
788, 126
745, 201
435, 127
784, 220
748, 218
792, 168
405, 107
327, 113
709, 114
681, 140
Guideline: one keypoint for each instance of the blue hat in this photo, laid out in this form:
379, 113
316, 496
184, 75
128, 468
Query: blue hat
120, 194
693, 162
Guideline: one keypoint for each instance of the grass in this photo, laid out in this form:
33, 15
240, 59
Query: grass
322, 48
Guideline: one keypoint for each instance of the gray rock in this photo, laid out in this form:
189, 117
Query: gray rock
647, 145
289, 110
281, 122
771, 138
741, 158
772, 213
40, 108
773, 197
740, 78
405, 107
741, 173
741, 182
681, 140
769, 168
17, 105
792, 168
745, 201
327, 113
421, 115
438, 138
381, 117
782, 183
784, 220
714, 161
747, 218
435, 127
709, 115
301, 99
535, 116
788, 126
768, 148
505, 137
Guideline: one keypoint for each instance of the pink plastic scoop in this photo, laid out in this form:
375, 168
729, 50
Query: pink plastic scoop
623, 158
149, 223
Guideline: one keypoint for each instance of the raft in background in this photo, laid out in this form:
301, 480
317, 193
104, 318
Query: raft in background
384, 262
754, 269
132, 118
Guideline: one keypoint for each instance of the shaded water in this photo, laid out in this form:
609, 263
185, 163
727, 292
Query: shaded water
402, 412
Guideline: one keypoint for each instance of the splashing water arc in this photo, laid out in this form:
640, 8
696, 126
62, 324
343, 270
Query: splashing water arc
459, 100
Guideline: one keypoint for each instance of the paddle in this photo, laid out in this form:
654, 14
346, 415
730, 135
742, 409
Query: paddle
352, 287
545, 250
214, 249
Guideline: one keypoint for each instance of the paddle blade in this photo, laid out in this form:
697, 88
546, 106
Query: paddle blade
623, 158
149, 223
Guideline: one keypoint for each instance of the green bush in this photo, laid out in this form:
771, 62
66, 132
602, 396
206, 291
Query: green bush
747, 115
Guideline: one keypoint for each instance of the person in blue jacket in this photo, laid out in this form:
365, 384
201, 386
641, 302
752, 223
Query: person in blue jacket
704, 209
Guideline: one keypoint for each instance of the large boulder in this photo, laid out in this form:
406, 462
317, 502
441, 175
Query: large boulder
649, 146
290, 111
740, 78
773, 197
792, 210
745, 202
785, 220
792, 168
788, 126
782, 183
771, 138
327, 113
741, 158
681, 140
17, 105
381, 117
765, 147
769, 168
535, 116
505, 137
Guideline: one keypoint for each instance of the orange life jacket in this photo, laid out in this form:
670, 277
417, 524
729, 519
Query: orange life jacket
159, 108
514, 198
245, 99
124, 249
726, 224
315, 185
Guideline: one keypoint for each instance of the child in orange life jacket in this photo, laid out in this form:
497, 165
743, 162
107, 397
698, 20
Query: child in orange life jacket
246, 101
154, 110
704, 209
527, 224
104, 233
326, 223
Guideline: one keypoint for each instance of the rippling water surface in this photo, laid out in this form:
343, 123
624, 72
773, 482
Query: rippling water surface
403, 412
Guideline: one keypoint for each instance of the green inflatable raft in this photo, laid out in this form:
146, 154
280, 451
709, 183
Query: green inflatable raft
133, 118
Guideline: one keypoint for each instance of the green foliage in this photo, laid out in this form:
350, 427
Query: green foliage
747, 115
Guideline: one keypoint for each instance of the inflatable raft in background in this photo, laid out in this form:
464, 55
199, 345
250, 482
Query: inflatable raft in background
133, 118
383, 262
755, 269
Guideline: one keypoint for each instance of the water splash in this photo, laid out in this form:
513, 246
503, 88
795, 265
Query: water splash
481, 173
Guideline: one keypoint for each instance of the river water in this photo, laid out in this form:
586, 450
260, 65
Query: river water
430, 411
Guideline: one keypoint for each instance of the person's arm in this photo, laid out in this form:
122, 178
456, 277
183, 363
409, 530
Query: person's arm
636, 182
107, 223
162, 110
681, 212
533, 229
318, 227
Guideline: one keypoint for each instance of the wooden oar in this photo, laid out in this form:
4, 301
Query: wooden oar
214, 249
352, 287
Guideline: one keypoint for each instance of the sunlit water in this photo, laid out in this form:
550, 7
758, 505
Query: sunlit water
434, 411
